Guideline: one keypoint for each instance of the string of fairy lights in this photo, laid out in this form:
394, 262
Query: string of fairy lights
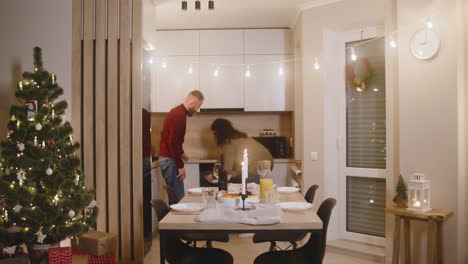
353, 55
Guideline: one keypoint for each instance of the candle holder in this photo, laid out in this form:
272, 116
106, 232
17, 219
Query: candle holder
419, 193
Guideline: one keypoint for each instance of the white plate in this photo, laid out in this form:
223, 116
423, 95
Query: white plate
295, 206
195, 190
288, 189
188, 207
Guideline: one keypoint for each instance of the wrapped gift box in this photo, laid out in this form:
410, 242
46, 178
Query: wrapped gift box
61, 255
108, 258
95, 243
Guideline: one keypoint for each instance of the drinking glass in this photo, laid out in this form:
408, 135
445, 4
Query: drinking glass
209, 198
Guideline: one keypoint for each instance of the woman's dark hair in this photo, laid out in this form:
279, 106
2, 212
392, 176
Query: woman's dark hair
225, 132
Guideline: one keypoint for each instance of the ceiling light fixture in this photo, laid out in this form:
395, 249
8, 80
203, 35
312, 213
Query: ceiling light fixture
197, 5
184, 5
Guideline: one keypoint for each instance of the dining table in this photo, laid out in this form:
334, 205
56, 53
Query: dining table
304, 221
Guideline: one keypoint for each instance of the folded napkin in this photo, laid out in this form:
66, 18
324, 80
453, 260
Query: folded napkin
258, 216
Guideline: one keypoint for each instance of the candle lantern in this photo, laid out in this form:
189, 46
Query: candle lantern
419, 193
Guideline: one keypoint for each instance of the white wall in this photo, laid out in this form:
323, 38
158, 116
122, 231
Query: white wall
428, 114
25, 24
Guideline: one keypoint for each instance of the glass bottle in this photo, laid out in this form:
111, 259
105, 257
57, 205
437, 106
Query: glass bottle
222, 176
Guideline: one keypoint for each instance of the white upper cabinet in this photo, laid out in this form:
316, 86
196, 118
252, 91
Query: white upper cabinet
267, 41
222, 81
179, 42
174, 78
221, 42
268, 83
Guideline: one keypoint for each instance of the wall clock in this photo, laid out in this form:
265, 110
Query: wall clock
424, 44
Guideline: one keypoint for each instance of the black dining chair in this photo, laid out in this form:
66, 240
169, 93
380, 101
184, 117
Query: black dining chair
179, 253
292, 238
311, 252
192, 237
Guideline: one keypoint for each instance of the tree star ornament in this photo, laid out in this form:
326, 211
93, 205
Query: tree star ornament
17, 208
40, 237
21, 147
38, 126
21, 175
71, 213
49, 171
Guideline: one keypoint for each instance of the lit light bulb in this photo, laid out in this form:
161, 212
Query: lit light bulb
392, 43
216, 72
281, 71
353, 55
164, 64
358, 89
316, 64
247, 72
376, 90
429, 24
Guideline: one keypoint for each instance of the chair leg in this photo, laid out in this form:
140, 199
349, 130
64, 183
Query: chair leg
209, 244
272, 246
294, 244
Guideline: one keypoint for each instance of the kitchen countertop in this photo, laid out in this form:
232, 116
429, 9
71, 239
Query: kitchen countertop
198, 161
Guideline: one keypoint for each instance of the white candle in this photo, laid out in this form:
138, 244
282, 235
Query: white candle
417, 204
245, 165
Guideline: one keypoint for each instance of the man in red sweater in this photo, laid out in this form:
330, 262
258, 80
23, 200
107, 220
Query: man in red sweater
171, 153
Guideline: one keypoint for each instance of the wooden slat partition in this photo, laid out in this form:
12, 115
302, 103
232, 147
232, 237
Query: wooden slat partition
77, 26
137, 127
112, 117
100, 93
107, 114
88, 93
124, 127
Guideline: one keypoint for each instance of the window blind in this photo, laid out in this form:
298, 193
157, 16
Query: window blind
365, 105
365, 205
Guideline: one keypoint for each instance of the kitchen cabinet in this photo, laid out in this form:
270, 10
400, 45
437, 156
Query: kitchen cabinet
267, 41
222, 81
193, 176
174, 78
177, 42
221, 42
268, 86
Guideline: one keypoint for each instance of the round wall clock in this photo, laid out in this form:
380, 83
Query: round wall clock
424, 44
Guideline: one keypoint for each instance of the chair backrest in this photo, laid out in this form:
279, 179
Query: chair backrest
310, 194
160, 208
171, 195
324, 212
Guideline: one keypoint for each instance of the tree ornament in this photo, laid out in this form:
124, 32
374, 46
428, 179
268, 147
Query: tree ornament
401, 193
49, 171
56, 199
21, 147
77, 179
93, 204
18, 123
20, 85
7, 171
21, 175
51, 143
43, 144
13, 118
40, 236
38, 126
53, 78
17, 208
5, 216
71, 213
35, 140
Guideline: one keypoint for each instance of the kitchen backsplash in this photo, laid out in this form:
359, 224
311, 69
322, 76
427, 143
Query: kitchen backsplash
199, 141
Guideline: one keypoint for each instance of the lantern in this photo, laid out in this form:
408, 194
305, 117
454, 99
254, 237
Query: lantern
419, 193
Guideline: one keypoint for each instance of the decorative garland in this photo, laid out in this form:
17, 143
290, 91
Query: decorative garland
359, 73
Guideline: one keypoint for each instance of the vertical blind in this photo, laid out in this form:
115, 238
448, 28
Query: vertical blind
365, 205
365, 105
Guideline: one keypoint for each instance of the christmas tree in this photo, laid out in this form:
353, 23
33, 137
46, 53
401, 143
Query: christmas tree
401, 193
42, 196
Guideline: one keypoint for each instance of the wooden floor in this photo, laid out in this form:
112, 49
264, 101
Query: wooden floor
245, 251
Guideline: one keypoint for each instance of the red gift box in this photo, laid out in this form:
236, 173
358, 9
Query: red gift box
61, 255
108, 258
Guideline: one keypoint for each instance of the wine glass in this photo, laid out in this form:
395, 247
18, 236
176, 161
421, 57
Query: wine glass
263, 168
